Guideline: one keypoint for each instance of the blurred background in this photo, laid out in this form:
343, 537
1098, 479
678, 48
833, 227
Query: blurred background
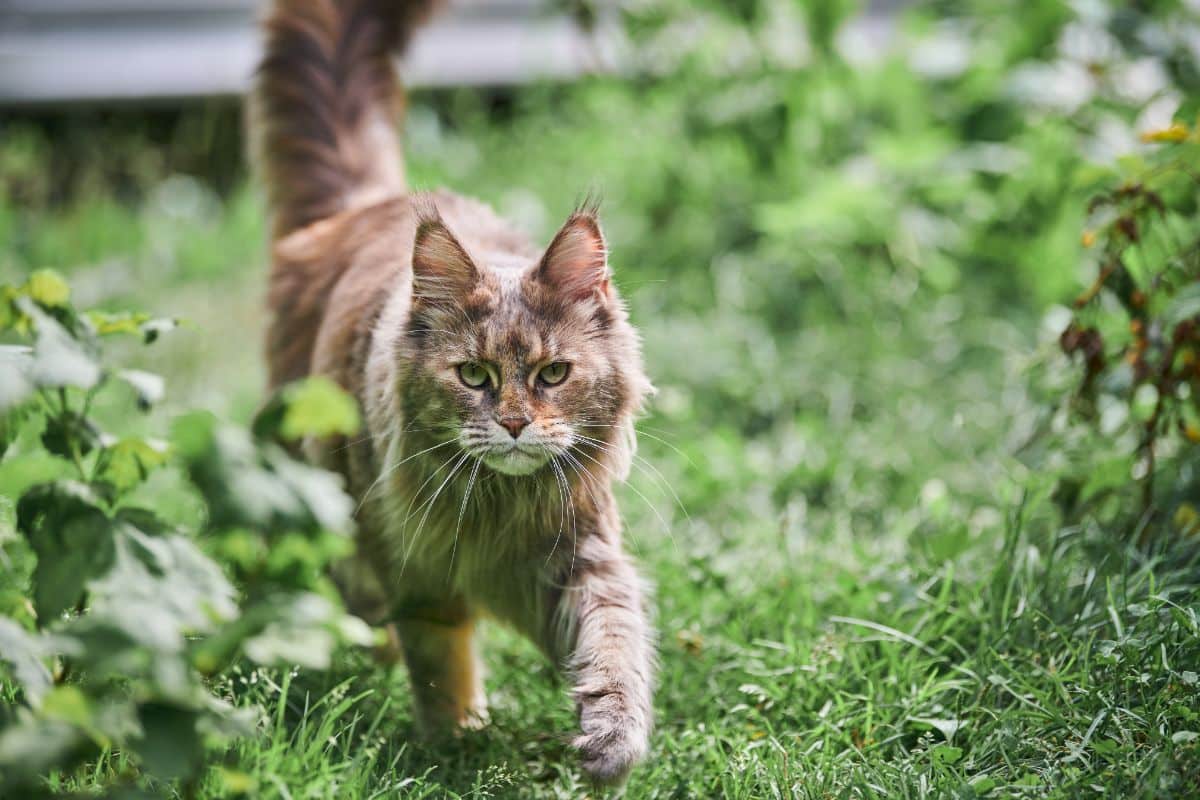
851, 234
818, 210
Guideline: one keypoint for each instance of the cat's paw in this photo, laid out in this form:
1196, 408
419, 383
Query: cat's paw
445, 720
613, 741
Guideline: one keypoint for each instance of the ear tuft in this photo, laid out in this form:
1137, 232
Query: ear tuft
442, 270
576, 262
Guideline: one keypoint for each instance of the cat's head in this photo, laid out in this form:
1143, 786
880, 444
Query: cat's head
522, 360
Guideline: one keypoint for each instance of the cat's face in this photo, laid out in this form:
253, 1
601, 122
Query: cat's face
523, 362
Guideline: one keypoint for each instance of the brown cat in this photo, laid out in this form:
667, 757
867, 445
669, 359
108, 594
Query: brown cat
499, 383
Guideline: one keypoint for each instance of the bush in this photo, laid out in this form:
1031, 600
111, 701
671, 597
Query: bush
116, 616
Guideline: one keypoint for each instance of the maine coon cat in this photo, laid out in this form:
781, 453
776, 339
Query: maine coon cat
499, 382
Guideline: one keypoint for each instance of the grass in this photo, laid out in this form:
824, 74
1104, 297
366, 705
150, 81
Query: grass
862, 591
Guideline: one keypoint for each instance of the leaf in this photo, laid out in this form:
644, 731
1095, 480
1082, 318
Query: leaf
73, 539
1175, 132
16, 363
170, 746
1183, 306
20, 648
69, 704
317, 406
1184, 737
320, 491
161, 589
48, 288
130, 461
300, 636
148, 386
59, 360
946, 754
33, 747
260, 487
69, 433
153, 328
108, 323
946, 727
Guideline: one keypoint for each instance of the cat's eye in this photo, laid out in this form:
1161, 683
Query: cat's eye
473, 374
553, 374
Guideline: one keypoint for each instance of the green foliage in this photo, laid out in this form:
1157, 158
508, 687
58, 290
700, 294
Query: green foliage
1136, 331
116, 619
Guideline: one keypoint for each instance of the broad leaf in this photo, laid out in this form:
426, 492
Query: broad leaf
130, 461
16, 385
48, 288
70, 434
59, 360
160, 589
318, 407
22, 649
73, 539
171, 745
31, 748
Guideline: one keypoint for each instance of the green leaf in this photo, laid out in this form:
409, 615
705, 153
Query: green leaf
1145, 402
128, 462
320, 491
161, 589
260, 487
16, 362
1183, 306
106, 323
30, 749
946, 754
21, 649
59, 360
171, 745
69, 704
69, 434
302, 634
48, 288
148, 386
73, 539
317, 406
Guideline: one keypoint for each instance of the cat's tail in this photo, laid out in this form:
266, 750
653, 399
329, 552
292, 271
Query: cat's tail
325, 104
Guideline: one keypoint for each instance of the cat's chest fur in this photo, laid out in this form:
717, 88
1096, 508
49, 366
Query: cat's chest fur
469, 532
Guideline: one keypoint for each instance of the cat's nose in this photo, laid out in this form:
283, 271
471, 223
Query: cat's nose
514, 425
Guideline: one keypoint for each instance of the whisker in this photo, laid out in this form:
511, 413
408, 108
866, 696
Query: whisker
574, 531
645, 500
389, 470
428, 505
562, 513
645, 466
461, 511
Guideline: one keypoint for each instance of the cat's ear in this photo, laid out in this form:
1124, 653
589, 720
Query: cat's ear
442, 270
576, 262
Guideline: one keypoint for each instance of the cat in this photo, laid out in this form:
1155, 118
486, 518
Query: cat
498, 381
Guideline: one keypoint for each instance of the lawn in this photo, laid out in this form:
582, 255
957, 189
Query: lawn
892, 557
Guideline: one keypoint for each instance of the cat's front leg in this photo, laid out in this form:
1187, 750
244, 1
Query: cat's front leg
611, 662
444, 667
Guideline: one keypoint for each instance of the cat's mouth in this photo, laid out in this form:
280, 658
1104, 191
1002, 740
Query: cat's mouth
515, 460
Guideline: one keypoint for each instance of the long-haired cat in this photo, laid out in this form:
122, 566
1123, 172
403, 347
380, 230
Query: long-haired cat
499, 383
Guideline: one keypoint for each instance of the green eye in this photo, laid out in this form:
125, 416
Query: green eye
555, 373
473, 374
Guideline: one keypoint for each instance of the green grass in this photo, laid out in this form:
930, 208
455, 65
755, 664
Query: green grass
862, 590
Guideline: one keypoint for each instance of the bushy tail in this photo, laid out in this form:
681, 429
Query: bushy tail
325, 105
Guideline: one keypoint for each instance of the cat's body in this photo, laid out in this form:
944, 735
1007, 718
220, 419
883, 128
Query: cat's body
499, 384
